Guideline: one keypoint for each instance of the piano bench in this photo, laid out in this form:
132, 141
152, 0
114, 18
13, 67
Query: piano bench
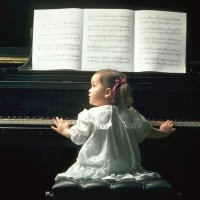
159, 189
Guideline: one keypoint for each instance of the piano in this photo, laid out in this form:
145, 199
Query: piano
32, 154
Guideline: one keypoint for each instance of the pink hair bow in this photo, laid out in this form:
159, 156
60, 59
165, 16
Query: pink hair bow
118, 81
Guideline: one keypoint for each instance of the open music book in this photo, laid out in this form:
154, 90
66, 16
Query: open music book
122, 39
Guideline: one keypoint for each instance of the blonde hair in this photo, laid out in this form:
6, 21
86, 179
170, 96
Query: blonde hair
121, 91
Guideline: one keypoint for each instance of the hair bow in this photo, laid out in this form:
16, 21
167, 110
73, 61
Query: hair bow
118, 81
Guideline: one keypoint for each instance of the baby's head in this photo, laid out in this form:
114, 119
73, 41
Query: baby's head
121, 93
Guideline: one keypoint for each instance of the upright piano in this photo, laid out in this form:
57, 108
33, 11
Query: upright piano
32, 154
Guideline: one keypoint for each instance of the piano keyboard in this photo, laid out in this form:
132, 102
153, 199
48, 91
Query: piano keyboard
179, 123
31, 121
48, 122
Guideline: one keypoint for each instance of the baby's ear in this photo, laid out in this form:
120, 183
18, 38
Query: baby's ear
108, 93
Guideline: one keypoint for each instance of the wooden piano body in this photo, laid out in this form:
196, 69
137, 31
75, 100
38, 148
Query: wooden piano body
32, 154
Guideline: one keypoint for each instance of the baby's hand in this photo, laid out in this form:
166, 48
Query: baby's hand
60, 125
167, 127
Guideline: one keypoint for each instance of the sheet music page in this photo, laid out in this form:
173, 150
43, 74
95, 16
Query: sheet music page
160, 41
108, 39
57, 39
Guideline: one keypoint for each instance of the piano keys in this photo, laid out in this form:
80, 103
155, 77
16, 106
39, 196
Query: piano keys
42, 122
30, 121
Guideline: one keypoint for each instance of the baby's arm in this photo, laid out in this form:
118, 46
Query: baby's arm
165, 129
62, 127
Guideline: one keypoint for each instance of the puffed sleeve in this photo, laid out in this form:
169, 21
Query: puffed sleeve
144, 128
81, 130
141, 125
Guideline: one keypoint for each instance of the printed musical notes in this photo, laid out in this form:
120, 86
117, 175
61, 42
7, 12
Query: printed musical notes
122, 39
160, 43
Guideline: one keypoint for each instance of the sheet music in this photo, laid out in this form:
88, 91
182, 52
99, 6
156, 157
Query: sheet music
108, 39
160, 41
121, 39
57, 39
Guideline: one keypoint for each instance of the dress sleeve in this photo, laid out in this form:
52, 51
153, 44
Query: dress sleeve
81, 130
141, 125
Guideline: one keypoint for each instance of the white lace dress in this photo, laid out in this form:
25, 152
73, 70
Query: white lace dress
109, 136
